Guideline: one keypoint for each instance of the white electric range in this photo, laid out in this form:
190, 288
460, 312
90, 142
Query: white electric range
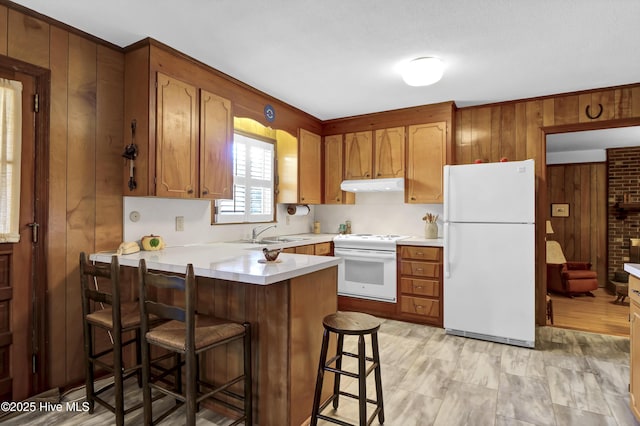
369, 269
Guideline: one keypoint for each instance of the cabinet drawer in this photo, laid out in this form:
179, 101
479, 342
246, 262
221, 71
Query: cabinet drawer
421, 269
308, 249
428, 288
420, 306
323, 249
421, 253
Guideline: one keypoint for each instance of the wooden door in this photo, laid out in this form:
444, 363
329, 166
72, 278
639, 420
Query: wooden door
426, 155
216, 146
22, 276
176, 138
358, 155
389, 153
310, 167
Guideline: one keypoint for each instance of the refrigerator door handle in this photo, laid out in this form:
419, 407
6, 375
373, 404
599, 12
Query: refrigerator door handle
447, 271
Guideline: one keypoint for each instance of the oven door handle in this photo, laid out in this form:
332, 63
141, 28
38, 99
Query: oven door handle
364, 254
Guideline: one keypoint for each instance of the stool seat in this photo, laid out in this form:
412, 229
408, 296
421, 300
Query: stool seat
355, 324
352, 323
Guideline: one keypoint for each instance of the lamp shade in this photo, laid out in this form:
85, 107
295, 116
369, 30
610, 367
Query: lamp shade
549, 228
423, 71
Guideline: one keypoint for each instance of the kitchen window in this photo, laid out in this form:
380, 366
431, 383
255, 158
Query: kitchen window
253, 182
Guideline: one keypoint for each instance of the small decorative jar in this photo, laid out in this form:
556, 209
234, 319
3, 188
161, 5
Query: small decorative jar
431, 230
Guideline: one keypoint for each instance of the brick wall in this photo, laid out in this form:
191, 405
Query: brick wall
624, 178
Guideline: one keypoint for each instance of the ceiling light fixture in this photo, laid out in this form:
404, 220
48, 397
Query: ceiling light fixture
423, 71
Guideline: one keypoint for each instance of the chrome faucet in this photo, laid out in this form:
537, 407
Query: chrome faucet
255, 232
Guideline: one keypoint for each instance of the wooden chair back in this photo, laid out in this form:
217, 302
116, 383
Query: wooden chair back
90, 292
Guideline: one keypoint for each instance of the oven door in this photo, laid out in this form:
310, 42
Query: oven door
367, 274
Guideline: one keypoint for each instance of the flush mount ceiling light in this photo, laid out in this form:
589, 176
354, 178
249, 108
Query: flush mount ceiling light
422, 71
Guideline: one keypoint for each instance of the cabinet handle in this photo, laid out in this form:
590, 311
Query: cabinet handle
379, 174
418, 287
419, 269
302, 198
205, 192
420, 253
367, 175
413, 198
190, 191
635, 291
338, 199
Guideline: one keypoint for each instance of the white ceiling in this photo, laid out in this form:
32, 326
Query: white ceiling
338, 58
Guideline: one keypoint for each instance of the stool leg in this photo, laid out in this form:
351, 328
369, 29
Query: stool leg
362, 381
321, 364
336, 382
138, 357
191, 360
378, 375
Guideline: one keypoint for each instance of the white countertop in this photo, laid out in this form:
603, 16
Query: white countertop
633, 269
421, 241
231, 261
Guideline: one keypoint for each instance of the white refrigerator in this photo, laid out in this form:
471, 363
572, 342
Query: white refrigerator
489, 251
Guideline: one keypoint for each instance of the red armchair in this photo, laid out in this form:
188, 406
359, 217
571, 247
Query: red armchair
568, 278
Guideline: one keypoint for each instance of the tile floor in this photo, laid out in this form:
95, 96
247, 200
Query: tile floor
430, 378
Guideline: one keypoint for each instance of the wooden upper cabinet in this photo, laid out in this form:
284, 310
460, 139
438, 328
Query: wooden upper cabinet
426, 156
389, 153
333, 168
358, 155
216, 146
176, 138
310, 167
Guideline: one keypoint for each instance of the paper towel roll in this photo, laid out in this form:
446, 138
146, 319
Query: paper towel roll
295, 210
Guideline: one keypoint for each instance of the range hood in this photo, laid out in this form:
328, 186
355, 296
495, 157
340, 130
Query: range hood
373, 185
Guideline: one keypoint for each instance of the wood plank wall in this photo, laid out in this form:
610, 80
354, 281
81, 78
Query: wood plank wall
85, 138
582, 235
516, 130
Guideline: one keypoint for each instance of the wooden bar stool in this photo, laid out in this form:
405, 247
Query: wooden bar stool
116, 318
358, 324
189, 334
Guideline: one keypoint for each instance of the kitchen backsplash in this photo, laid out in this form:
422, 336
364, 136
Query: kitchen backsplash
158, 217
378, 213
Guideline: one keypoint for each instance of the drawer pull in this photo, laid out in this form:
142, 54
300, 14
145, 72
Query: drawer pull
419, 269
420, 253
417, 287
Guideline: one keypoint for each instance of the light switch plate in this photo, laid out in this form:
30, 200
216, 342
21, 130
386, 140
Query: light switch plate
179, 223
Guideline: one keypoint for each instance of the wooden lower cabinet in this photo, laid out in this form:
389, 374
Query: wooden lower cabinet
319, 249
634, 364
420, 284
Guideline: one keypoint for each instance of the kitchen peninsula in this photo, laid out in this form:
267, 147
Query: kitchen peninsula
285, 303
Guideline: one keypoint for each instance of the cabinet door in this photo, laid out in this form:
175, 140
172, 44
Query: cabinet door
216, 146
427, 154
333, 167
176, 138
389, 153
310, 167
307, 249
358, 155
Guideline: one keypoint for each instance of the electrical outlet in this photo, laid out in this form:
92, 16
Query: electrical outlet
179, 223
287, 220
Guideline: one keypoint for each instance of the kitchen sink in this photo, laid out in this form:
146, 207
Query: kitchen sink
260, 242
274, 240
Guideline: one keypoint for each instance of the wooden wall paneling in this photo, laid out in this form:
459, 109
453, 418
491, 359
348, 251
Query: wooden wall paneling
548, 112
520, 141
606, 98
4, 25
28, 39
137, 106
463, 145
566, 109
495, 151
481, 134
508, 131
109, 143
56, 241
81, 201
535, 137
